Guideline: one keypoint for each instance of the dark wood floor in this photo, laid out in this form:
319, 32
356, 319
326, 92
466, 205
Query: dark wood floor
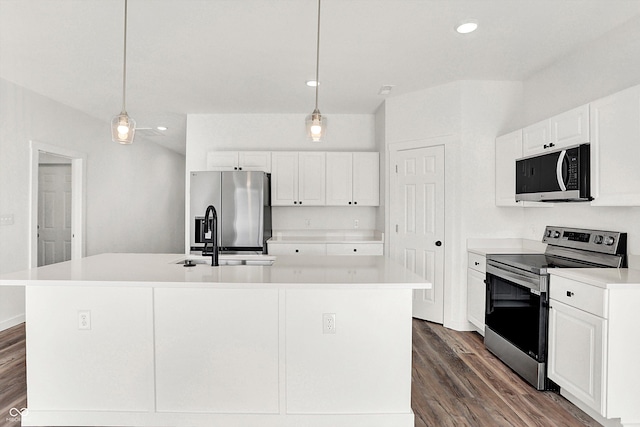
456, 382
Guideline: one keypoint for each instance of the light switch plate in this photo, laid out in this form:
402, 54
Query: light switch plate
6, 219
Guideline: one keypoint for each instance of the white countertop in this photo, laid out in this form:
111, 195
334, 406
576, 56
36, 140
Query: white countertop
162, 270
495, 251
609, 278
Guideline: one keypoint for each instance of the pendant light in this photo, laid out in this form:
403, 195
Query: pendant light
123, 127
316, 123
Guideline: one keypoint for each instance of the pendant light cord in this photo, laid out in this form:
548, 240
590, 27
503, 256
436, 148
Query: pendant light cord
317, 56
124, 62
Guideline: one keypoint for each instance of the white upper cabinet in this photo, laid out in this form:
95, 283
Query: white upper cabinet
353, 179
508, 149
298, 178
366, 179
564, 130
239, 160
615, 149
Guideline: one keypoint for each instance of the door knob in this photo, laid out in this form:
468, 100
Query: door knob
438, 243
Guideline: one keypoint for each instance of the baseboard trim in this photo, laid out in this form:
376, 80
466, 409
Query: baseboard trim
10, 323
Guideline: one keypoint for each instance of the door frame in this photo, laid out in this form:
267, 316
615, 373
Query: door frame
78, 206
451, 148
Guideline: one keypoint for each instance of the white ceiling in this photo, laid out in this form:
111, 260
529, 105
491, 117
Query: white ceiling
254, 56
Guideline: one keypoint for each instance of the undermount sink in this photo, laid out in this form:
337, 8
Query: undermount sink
232, 260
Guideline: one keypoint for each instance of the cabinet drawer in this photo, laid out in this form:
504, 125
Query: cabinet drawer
579, 295
297, 249
354, 249
478, 262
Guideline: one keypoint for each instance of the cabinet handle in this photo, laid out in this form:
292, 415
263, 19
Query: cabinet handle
476, 263
552, 145
355, 203
297, 251
235, 168
545, 146
300, 202
349, 202
570, 294
239, 169
355, 250
295, 203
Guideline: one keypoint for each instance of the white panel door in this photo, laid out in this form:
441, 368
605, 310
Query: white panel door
366, 179
536, 138
54, 214
417, 223
311, 183
339, 179
284, 178
254, 161
570, 128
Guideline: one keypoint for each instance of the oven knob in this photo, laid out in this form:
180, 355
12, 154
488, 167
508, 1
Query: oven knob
556, 234
609, 240
598, 240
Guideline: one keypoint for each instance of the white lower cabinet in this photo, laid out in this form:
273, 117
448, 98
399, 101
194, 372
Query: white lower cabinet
296, 248
354, 249
476, 290
594, 346
576, 350
325, 248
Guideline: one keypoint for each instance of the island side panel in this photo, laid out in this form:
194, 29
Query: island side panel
217, 350
105, 367
362, 368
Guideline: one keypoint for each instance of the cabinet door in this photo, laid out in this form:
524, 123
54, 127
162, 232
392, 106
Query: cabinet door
366, 179
284, 178
536, 138
339, 179
255, 161
615, 133
576, 353
311, 183
222, 160
508, 149
476, 296
571, 127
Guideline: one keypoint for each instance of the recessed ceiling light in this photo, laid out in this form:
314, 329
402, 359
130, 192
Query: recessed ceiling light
162, 127
312, 83
467, 26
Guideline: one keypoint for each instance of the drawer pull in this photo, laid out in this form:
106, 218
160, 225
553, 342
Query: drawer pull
476, 263
297, 251
355, 250
569, 294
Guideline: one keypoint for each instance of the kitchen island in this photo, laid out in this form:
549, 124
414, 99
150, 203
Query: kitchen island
138, 339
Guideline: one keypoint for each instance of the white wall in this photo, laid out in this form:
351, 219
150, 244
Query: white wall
471, 114
285, 132
134, 194
599, 68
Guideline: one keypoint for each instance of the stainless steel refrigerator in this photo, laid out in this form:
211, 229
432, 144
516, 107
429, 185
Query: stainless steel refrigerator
243, 204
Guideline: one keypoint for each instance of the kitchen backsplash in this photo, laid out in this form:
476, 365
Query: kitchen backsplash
323, 218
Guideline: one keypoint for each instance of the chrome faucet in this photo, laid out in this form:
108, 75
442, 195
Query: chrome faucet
211, 210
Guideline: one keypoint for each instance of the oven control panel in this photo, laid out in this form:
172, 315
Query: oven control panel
608, 242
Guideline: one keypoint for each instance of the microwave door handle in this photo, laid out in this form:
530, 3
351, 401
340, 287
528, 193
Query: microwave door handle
559, 165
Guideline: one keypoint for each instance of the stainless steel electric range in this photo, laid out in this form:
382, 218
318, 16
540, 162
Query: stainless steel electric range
517, 304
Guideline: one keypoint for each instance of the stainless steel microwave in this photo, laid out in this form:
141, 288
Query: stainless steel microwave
559, 176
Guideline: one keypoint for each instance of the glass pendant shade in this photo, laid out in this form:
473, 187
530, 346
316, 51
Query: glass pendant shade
316, 126
123, 128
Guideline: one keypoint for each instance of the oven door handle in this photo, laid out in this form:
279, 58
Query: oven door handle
489, 300
526, 280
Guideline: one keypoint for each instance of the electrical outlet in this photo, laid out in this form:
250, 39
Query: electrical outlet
84, 319
356, 223
329, 323
307, 222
